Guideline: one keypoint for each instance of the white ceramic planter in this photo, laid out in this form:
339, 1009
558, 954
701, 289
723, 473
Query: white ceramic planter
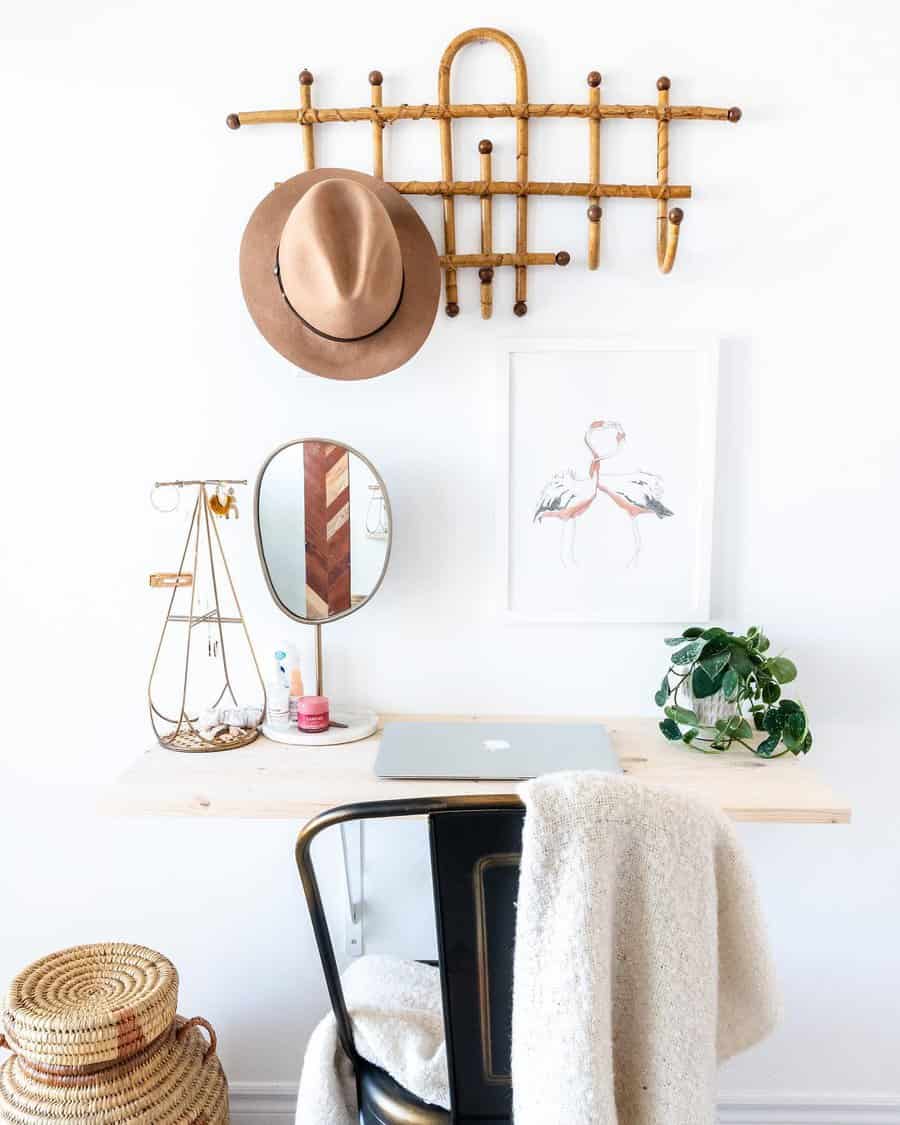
711, 709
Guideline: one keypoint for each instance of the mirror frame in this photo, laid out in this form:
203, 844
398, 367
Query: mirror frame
260, 550
259, 544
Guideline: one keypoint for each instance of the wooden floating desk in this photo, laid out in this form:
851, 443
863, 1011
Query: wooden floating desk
270, 781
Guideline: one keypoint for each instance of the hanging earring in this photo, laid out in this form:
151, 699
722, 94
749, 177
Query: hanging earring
232, 505
218, 501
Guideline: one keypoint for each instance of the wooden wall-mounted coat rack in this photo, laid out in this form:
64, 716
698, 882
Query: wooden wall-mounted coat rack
668, 224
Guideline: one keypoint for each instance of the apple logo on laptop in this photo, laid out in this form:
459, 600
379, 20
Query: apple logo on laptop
496, 744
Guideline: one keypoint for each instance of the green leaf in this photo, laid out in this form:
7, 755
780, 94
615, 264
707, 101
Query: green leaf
730, 683
713, 666
773, 721
690, 735
740, 659
786, 706
702, 685
736, 726
782, 669
673, 641
671, 730
767, 748
762, 642
713, 632
693, 631
714, 647
807, 743
688, 654
794, 730
663, 693
682, 715
759, 718
770, 692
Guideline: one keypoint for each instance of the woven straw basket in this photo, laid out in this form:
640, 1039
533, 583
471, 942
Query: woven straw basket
97, 1042
91, 1004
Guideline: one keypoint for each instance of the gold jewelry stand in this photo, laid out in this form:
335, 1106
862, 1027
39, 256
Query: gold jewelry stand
522, 111
183, 734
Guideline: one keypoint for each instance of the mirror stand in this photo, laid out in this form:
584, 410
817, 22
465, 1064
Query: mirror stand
320, 664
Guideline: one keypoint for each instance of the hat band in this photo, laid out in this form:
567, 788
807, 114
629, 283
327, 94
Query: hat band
325, 335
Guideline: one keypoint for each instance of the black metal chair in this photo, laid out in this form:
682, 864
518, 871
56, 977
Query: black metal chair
476, 844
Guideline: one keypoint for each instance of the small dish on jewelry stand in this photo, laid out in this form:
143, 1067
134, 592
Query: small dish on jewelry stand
323, 531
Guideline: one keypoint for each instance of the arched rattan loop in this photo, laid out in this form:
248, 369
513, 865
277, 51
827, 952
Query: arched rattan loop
481, 35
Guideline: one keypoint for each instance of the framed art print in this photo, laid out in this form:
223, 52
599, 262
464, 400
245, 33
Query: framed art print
607, 471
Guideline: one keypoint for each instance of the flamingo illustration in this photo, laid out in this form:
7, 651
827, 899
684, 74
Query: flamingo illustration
638, 494
566, 496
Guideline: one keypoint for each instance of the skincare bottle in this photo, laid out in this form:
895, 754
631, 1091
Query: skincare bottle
286, 659
279, 705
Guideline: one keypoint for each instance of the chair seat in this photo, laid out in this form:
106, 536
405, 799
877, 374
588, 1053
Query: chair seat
382, 1101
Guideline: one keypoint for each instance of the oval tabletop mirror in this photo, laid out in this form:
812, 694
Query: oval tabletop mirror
323, 529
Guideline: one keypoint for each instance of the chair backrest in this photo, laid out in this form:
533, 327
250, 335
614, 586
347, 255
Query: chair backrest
476, 843
475, 860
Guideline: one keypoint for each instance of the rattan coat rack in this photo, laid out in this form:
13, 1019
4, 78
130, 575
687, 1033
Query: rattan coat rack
594, 111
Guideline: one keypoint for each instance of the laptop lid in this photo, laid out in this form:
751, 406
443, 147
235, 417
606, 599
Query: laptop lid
492, 750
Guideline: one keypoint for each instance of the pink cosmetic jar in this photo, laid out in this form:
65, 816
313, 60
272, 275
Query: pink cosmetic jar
312, 714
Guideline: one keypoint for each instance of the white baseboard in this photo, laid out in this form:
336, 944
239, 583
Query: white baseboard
262, 1103
272, 1103
807, 1109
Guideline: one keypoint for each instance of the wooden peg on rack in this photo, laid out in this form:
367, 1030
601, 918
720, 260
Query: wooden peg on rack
667, 226
595, 213
309, 151
375, 80
486, 273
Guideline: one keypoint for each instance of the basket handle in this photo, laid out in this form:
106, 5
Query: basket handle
198, 1021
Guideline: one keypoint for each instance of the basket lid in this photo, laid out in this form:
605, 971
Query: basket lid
90, 1005
178, 1081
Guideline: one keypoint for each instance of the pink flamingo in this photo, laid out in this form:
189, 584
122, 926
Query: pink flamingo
638, 494
566, 496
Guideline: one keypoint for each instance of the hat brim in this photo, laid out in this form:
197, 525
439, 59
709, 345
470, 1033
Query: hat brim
388, 348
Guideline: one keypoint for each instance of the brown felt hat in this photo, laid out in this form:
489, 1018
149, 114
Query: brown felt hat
340, 274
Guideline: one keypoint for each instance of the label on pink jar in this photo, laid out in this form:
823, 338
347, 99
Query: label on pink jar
312, 714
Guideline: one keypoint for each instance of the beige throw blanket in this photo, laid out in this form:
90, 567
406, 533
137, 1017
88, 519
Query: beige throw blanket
641, 956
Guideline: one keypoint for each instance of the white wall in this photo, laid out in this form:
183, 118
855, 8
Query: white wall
128, 355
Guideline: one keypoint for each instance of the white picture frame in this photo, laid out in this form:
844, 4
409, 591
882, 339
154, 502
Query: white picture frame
670, 394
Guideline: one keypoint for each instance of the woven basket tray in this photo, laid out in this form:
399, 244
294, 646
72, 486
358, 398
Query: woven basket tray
90, 1005
177, 1081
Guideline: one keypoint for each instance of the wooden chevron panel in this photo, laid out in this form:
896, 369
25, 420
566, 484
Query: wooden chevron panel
326, 488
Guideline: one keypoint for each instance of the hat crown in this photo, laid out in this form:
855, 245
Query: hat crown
340, 261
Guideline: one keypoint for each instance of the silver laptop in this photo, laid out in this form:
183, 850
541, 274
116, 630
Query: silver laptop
492, 751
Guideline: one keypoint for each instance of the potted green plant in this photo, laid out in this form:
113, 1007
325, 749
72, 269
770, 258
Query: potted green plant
735, 671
